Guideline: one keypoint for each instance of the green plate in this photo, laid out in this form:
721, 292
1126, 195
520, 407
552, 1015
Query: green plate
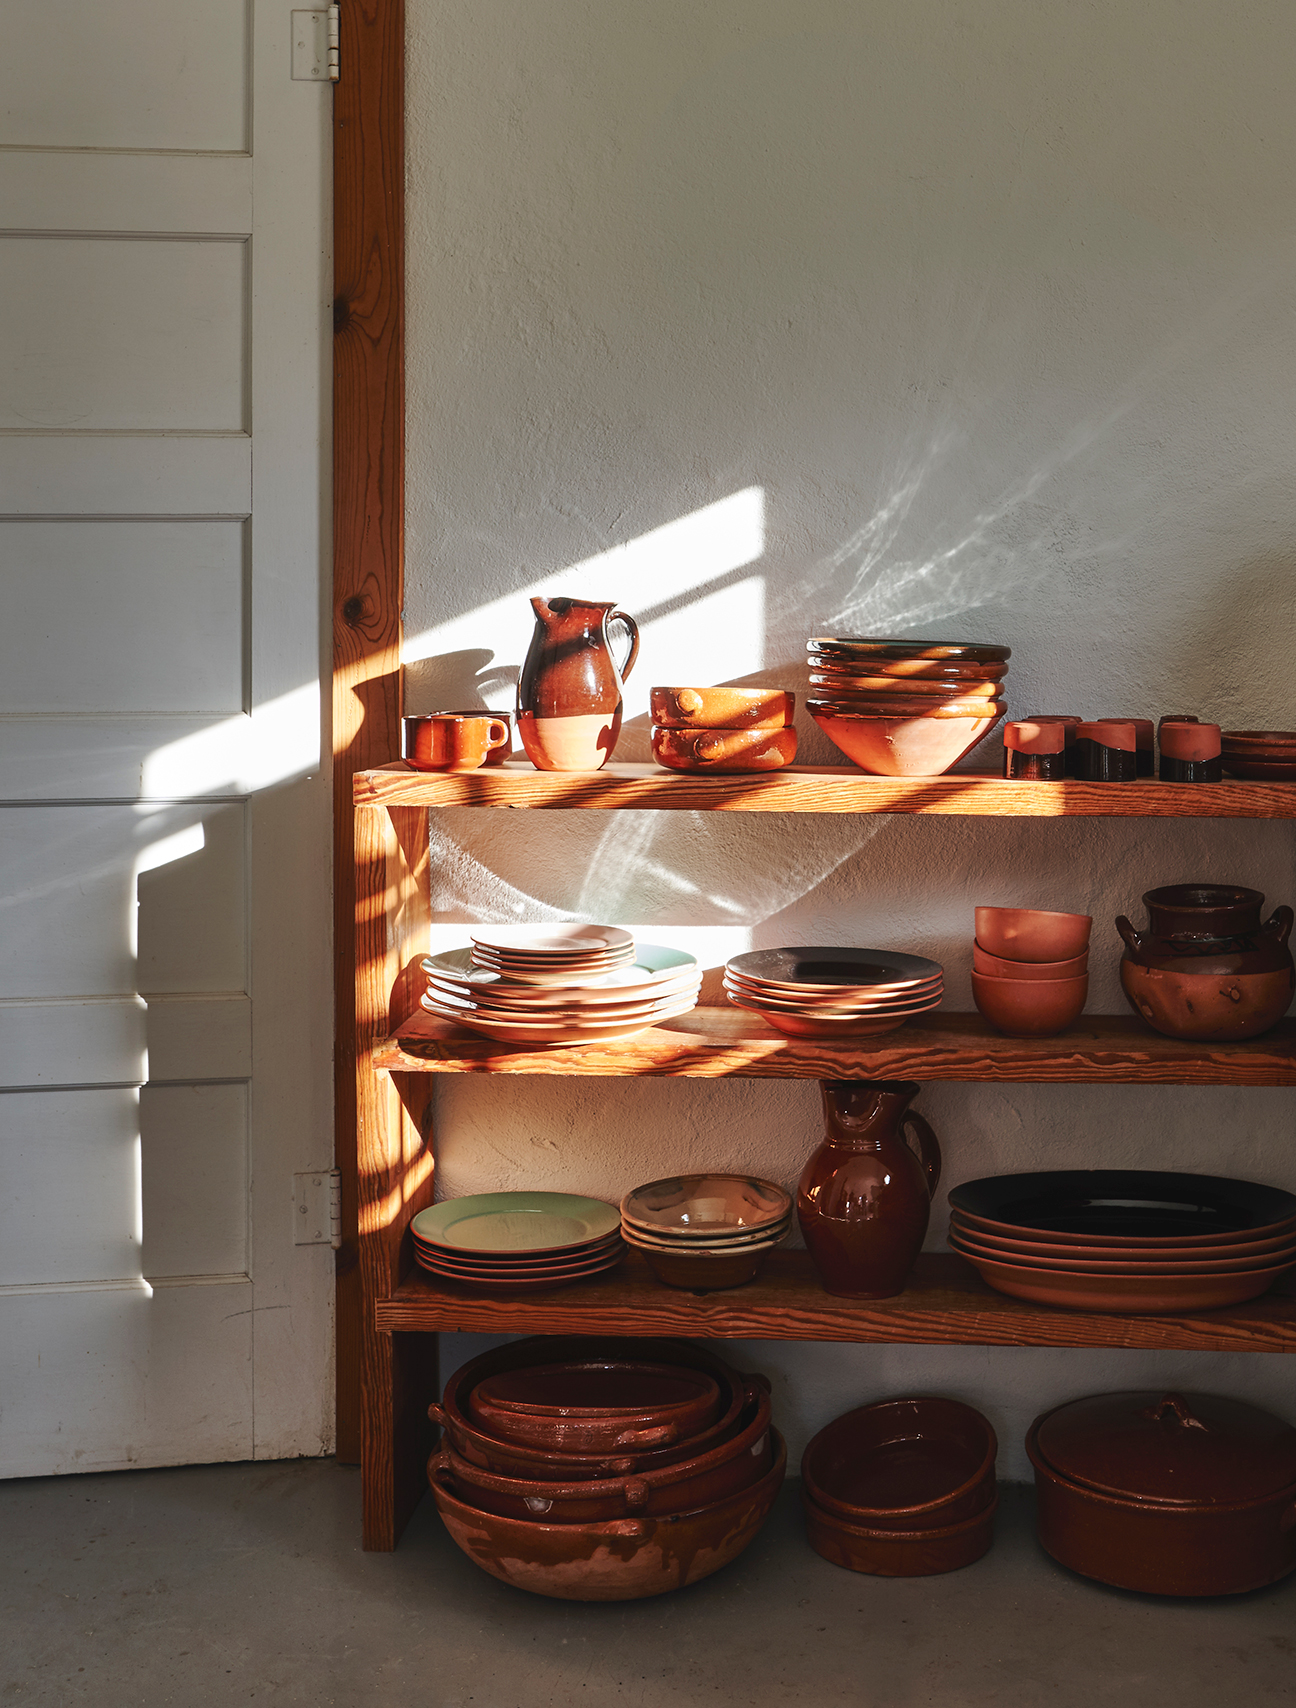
515, 1221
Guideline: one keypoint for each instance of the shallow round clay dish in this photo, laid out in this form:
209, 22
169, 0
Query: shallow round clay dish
902, 706
809, 1026
995, 966
1031, 934
912, 1464
900, 671
1208, 1006
1062, 1259
1030, 1008
1127, 1295
1124, 1206
721, 708
946, 652
558, 940
519, 1280
899, 1553
514, 1221
904, 747
696, 750
826, 968
490, 1261
1020, 1249
717, 1245
704, 1272
697, 1206
1260, 770
594, 1405
836, 685
1272, 738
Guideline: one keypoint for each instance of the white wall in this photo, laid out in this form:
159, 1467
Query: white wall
965, 320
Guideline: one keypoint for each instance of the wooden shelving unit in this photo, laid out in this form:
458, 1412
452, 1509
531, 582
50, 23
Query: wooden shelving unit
399, 1048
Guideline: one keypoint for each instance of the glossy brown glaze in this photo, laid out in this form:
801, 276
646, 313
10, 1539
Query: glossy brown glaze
592, 1406
1032, 934
905, 746
454, 741
911, 1464
1030, 1008
721, 708
570, 691
710, 1273
724, 749
899, 1553
864, 1197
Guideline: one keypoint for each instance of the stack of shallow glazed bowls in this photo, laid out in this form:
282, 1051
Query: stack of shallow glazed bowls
723, 729
1261, 755
543, 994
521, 1241
905, 1488
834, 993
904, 708
604, 1470
1125, 1240
706, 1231
1030, 969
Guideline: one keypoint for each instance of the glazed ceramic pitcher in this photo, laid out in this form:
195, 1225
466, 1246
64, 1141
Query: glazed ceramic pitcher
864, 1198
569, 695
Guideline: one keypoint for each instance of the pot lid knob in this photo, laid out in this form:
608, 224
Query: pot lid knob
1176, 1406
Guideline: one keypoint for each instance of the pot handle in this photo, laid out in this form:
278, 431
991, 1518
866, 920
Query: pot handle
632, 628
437, 1413
1133, 941
927, 1149
662, 1436
1179, 1406
1278, 925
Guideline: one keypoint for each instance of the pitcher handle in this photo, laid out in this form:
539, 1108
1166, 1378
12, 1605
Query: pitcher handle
632, 628
1279, 924
927, 1149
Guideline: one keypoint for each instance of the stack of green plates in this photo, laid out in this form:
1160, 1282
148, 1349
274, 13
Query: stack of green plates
518, 1240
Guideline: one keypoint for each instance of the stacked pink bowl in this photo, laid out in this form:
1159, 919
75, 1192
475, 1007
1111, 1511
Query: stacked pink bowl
1030, 969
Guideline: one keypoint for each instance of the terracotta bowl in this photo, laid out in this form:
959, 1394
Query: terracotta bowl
909, 670
1029, 934
1019, 1246
595, 1405
810, 1025
911, 1464
1132, 1295
709, 1271
724, 749
904, 747
841, 704
899, 1553
831, 684
697, 1206
1261, 770
1072, 1262
1030, 1008
1208, 1006
622, 1559
996, 967
722, 708
942, 652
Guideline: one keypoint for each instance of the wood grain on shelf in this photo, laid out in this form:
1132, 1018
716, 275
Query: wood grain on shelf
945, 1303
715, 1043
817, 789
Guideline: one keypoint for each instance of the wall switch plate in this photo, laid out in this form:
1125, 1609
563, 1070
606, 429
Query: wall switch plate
310, 45
316, 1208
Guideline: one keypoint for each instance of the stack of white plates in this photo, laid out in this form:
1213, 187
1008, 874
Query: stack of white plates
834, 993
552, 1002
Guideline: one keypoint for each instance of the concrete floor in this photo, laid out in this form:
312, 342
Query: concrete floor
234, 1583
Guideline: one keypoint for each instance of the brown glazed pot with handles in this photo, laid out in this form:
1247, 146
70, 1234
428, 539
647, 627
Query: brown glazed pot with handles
864, 1197
570, 692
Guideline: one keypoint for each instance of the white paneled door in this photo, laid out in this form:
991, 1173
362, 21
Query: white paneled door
165, 1009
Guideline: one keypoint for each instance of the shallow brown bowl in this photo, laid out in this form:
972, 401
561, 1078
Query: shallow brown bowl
1030, 1008
1130, 1263
997, 967
595, 1405
699, 1205
832, 684
909, 670
1126, 1295
724, 749
910, 1464
839, 704
721, 708
624, 1559
1032, 934
900, 1553
706, 1273
904, 747
944, 652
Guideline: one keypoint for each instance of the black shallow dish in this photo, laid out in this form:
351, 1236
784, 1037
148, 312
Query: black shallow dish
834, 966
1140, 1206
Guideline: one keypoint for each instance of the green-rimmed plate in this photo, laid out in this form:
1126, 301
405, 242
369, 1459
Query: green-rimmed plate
515, 1221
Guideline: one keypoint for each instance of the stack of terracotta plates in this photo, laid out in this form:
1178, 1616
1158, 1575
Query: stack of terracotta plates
551, 999
551, 954
706, 1231
1125, 1240
834, 993
604, 1470
522, 1241
905, 1488
904, 708
1262, 755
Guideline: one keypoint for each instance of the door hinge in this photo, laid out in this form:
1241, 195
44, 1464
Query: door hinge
317, 1208
334, 30
335, 1199
315, 45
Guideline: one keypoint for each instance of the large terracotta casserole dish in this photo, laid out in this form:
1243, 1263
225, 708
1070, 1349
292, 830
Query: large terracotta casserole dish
1171, 1494
908, 1464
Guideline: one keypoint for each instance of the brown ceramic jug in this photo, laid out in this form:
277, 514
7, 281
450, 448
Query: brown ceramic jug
864, 1198
569, 694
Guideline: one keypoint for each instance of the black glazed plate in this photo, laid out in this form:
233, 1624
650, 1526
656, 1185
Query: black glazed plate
828, 966
1118, 1204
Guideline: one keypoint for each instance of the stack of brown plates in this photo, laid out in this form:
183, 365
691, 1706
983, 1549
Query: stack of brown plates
902, 1489
521, 1241
1125, 1240
1261, 755
604, 1470
706, 1231
834, 993
903, 708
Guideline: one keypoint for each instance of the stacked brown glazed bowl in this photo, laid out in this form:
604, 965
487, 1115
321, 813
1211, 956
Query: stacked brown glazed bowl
1130, 1241
1260, 755
595, 1470
905, 1488
834, 993
723, 729
1030, 969
902, 708
706, 1231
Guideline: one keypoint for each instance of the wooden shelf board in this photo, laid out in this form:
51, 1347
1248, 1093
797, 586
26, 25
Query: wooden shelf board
817, 789
716, 1043
946, 1303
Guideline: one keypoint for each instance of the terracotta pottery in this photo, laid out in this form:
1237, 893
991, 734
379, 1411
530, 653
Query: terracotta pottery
454, 741
595, 1405
864, 1197
1035, 752
836, 704
944, 652
905, 746
1123, 1207
996, 967
1169, 1494
1029, 934
734, 1241
1208, 969
1144, 743
708, 1271
721, 708
900, 671
697, 1206
1068, 721
833, 684
909, 1464
569, 693
1030, 1008
724, 749
1028, 1250
899, 1553
1076, 1261
1260, 770
620, 1560
497, 755
1190, 753
1106, 752
1126, 1295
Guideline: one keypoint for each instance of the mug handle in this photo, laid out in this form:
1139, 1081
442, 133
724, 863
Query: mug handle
502, 740
632, 629
927, 1150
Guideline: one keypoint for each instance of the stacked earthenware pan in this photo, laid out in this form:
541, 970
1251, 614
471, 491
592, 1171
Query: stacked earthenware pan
706, 1231
905, 1488
1261, 755
596, 1470
834, 993
519, 1241
903, 708
1125, 1240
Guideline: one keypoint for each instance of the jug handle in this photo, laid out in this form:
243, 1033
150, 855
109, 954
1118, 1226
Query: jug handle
927, 1149
1279, 924
632, 628
1132, 938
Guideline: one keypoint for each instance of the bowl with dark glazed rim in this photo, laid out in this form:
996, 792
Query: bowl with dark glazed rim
899, 1553
886, 647
1126, 1264
1014, 1245
1124, 1206
911, 1464
698, 1206
595, 1405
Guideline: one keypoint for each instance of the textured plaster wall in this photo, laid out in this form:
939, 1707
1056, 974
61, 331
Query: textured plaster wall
965, 320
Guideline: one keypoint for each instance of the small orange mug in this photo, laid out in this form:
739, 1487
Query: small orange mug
453, 741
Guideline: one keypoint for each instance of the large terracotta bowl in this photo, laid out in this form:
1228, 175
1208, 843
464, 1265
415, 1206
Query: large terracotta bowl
623, 1559
1030, 1008
904, 746
596, 1405
1208, 1006
1032, 934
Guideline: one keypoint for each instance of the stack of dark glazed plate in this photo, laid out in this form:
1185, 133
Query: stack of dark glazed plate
834, 993
521, 1241
905, 1488
706, 1231
905, 708
596, 1470
1260, 755
1125, 1240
